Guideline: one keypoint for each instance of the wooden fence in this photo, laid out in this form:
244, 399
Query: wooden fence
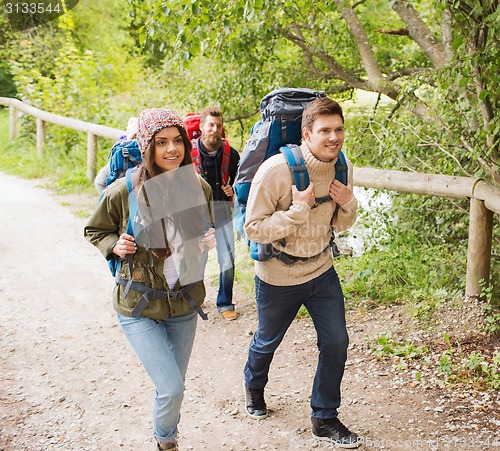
92, 130
484, 198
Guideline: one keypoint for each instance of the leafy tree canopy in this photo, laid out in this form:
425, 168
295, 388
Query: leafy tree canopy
437, 61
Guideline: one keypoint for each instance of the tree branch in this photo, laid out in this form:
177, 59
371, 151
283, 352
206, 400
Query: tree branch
447, 32
420, 33
399, 32
375, 76
336, 70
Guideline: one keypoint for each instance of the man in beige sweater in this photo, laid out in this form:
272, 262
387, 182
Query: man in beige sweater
298, 223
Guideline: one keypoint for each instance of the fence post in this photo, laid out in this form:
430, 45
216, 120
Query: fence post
13, 121
91, 155
479, 249
40, 136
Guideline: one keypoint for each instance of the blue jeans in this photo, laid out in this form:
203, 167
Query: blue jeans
277, 307
164, 349
225, 256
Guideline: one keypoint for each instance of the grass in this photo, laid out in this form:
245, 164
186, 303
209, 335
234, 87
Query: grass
4, 124
63, 162
476, 368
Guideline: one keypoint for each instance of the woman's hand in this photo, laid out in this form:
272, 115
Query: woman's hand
208, 240
125, 245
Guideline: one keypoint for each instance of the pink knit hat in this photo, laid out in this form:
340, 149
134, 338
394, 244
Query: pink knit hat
152, 121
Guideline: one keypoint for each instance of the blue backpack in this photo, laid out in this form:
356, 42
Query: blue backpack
114, 264
281, 124
123, 156
279, 130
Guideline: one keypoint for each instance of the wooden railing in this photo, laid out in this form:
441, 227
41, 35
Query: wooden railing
484, 198
92, 130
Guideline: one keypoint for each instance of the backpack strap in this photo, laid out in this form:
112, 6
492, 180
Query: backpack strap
341, 168
341, 173
295, 160
226, 155
132, 201
149, 293
195, 156
284, 138
132, 207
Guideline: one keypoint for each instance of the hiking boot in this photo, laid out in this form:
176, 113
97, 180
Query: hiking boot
333, 430
229, 315
255, 404
169, 446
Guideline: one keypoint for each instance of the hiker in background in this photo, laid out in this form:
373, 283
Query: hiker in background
160, 324
296, 222
100, 181
218, 164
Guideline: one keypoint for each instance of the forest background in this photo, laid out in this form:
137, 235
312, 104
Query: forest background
419, 82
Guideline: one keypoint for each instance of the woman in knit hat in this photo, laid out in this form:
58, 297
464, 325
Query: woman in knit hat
159, 278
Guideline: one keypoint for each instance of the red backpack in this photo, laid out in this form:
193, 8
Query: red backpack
192, 123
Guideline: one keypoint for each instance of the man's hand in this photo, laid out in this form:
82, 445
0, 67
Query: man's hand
340, 193
208, 240
306, 196
125, 245
228, 190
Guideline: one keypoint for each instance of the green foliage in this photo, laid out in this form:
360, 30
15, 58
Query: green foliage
66, 172
7, 86
400, 353
480, 369
244, 273
78, 85
491, 307
64, 169
4, 124
403, 267
445, 119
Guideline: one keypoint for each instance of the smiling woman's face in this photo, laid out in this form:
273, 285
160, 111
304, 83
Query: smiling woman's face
169, 149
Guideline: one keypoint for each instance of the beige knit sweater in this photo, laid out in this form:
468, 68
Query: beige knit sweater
295, 228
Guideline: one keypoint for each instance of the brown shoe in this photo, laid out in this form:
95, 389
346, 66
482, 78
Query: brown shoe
170, 446
229, 315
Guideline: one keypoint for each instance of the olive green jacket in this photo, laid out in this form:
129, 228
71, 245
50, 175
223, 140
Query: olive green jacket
103, 229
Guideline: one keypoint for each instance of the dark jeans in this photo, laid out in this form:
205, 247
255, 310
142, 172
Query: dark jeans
225, 256
277, 307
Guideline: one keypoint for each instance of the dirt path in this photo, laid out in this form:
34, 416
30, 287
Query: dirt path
70, 381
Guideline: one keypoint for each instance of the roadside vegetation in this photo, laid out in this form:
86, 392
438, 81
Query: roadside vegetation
416, 105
